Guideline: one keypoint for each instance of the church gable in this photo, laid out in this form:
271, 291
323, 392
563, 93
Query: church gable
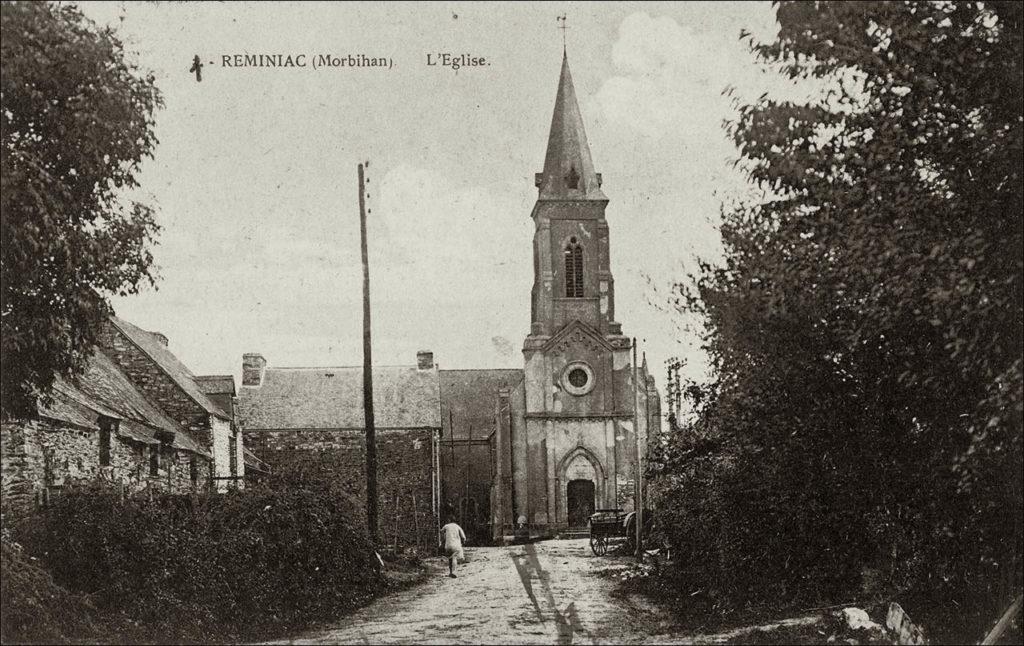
575, 337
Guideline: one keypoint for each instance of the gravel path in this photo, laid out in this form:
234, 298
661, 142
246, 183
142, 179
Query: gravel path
551, 592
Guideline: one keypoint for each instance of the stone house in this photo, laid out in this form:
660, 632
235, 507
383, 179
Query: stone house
137, 416
307, 424
100, 425
203, 406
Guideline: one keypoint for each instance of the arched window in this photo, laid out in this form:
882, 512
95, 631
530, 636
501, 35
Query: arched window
573, 270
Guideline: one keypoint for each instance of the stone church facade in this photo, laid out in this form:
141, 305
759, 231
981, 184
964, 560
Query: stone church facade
539, 447
571, 436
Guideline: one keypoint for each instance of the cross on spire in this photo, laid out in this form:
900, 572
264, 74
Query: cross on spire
563, 26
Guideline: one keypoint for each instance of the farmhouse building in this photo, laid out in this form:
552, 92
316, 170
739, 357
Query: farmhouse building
307, 424
135, 417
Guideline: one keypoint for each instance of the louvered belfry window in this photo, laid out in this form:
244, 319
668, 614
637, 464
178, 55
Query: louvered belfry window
573, 270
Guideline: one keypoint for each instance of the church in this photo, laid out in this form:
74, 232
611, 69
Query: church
537, 448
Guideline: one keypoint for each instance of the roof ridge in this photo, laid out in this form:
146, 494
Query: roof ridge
211, 407
476, 369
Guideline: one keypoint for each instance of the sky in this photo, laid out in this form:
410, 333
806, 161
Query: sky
255, 180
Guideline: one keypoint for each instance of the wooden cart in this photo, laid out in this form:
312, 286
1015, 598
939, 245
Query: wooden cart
606, 526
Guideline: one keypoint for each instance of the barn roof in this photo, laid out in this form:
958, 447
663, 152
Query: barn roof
468, 398
332, 398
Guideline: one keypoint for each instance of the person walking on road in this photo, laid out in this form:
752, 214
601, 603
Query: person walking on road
452, 538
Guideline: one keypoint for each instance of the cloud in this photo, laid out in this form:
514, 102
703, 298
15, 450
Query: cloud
663, 111
433, 237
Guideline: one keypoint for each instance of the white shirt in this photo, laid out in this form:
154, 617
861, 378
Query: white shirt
453, 535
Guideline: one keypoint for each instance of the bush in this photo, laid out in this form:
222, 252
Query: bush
208, 567
35, 609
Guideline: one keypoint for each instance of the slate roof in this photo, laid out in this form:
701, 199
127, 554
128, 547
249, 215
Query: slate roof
103, 389
568, 151
468, 398
332, 398
150, 344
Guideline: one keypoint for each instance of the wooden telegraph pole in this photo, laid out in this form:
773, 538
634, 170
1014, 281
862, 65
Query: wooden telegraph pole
371, 431
637, 481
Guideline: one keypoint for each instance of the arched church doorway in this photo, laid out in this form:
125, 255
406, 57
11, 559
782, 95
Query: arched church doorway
579, 497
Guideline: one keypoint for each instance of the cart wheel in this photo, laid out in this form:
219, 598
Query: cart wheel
599, 545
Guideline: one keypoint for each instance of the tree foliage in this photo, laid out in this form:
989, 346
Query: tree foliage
866, 322
77, 121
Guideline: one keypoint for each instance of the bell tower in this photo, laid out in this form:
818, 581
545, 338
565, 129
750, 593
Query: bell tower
572, 279
579, 383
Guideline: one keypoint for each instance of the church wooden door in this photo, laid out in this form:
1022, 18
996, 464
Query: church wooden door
579, 497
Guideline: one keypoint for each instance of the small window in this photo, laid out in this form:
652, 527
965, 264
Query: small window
572, 178
154, 460
573, 269
104, 444
193, 470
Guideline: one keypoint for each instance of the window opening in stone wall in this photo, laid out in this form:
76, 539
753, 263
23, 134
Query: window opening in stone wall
154, 460
578, 377
233, 453
573, 270
572, 178
193, 470
104, 444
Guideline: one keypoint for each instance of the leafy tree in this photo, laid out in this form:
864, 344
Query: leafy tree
77, 121
866, 324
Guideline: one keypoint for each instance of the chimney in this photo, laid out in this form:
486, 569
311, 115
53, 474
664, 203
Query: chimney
425, 360
253, 365
161, 337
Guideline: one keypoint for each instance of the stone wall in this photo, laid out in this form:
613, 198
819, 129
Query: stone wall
239, 441
147, 376
221, 434
336, 460
40, 457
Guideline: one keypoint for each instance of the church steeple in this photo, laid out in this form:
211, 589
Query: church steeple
568, 169
572, 278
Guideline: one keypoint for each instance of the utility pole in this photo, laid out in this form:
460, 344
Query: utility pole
371, 430
638, 486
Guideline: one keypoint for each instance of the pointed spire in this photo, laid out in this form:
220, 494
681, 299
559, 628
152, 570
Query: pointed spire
568, 170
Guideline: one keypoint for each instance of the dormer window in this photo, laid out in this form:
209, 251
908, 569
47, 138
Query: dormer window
572, 178
573, 269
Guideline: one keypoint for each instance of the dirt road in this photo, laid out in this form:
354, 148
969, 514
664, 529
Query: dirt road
551, 592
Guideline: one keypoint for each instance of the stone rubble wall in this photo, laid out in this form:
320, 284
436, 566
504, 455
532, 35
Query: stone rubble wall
40, 457
148, 377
